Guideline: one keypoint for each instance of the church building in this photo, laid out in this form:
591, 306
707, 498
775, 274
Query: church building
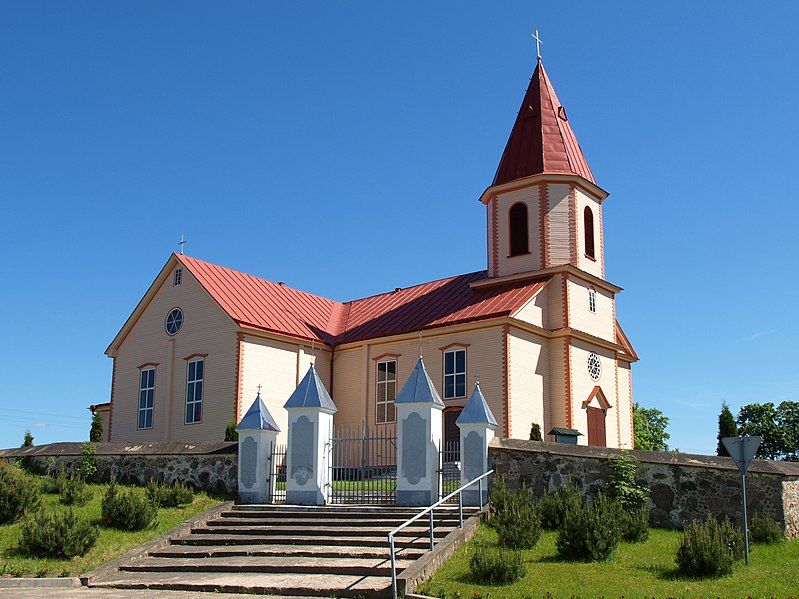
538, 324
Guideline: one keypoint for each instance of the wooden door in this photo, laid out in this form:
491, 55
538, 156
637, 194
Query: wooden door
596, 427
452, 434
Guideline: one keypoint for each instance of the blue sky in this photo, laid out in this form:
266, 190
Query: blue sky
292, 139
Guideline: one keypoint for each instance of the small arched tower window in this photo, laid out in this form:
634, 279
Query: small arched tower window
588, 222
518, 229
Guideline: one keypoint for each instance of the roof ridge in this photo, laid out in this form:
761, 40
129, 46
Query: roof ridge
366, 297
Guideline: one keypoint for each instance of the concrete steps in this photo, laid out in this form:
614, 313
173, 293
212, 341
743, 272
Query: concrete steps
339, 551
302, 585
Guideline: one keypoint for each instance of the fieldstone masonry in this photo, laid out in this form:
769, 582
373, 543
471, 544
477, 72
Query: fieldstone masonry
204, 466
682, 487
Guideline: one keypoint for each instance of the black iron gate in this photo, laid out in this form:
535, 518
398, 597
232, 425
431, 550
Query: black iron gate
449, 470
363, 466
277, 473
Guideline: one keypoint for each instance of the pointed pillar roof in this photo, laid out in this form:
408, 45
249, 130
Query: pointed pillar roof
419, 388
311, 393
476, 410
258, 418
541, 141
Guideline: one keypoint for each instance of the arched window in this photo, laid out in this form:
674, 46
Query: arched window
588, 221
518, 229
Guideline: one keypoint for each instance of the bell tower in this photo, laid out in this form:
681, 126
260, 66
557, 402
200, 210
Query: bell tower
543, 208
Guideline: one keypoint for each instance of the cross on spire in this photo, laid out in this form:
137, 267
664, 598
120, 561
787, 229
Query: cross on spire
538, 44
259, 389
182, 242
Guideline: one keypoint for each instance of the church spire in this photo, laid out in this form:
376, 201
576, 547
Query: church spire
541, 140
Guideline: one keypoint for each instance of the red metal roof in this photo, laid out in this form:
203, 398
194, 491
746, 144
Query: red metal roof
255, 302
541, 140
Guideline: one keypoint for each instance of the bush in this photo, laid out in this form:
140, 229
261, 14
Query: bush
518, 527
165, 496
51, 533
54, 483
27, 440
535, 432
633, 526
231, 434
75, 492
496, 566
590, 533
764, 529
709, 549
88, 466
19, 493
552, 506
127, 510
622, 486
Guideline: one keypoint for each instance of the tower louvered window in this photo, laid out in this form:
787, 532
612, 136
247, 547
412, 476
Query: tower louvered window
588, 222
519, 242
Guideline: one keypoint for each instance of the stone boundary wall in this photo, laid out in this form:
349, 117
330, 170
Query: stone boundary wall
683, 487
210, 467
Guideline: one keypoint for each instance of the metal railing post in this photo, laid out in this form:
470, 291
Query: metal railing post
460, 509
480, 487
431, 530
393, 566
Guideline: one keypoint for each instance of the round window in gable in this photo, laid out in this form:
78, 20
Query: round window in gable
174, 320
594, 366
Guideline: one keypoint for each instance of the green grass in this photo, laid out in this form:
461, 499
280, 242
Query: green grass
111, 543
635, 570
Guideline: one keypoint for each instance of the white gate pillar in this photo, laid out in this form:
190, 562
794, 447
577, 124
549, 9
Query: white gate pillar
477, 425
419, 430
310, 431
257, 435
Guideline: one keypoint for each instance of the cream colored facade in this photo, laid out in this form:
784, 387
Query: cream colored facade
554, 359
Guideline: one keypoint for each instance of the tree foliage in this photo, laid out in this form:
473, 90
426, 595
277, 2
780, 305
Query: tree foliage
535, 432
778, 426
727, 428
650, 429
231, 434
96, 431
27, 440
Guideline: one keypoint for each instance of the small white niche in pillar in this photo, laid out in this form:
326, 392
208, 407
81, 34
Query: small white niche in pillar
310, 432
257, 435
477, 425
419, 430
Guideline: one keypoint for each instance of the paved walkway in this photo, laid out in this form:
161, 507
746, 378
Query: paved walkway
85, 593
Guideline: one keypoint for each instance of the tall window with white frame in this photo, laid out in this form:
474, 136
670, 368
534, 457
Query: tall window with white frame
592, 300
454, 373
194, 391
146, 397
386, 391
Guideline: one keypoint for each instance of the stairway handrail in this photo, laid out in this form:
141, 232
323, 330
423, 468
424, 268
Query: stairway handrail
430, 510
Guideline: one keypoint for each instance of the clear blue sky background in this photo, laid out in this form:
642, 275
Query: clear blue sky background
291, 140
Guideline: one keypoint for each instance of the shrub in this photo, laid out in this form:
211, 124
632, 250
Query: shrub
75, 492
51, 533
622, 486
169, 496
590, 533
500, 497
54, 483
96, 430
535, 432
127, 510
764, 529
19, 493
88, 466
27, 440
552, 506
518, 527
489, 565
633, 526
709, 549
231, 434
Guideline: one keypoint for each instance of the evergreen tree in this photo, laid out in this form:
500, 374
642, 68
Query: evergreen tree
727, 428
28, 439
96, 432
231, 434
535, 432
